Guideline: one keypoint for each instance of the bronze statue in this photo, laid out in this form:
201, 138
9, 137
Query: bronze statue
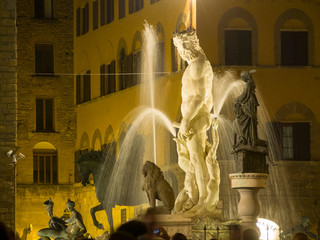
245, 107
91, 163
58, 228
156, 186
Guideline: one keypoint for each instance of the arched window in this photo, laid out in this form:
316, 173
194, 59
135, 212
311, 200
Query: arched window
238, 38
294, 39
45, 164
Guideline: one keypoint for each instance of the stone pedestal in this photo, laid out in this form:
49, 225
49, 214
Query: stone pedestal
248, 186
251, 176
173, 224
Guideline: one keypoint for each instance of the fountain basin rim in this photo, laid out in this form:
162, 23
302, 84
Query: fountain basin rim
248, 180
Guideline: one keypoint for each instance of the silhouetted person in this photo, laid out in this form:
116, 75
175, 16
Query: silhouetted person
178, 236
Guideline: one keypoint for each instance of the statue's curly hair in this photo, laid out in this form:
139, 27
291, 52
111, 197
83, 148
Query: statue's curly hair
188, 40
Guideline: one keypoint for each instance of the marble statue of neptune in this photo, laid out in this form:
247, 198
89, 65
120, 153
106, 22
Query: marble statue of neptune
196, 156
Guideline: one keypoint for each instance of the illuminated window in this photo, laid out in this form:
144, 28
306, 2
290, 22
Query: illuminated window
83, 88
43, 8
294, 48
45, 167
44, 59
44, 115
238, 47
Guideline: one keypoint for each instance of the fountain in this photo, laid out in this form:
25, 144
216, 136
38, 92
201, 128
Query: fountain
204, 96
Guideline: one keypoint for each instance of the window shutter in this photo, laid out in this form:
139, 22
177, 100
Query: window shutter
78, 89
38, 8
87, 86
39, 115
78, 22
103, 86
275, 129
95, 10
110, 11
102, 12
49, 114
129, 68
122, 9
111, 77
131, 6
238, 47
302, 141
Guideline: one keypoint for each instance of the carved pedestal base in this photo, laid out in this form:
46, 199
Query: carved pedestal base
248, 186
175, 223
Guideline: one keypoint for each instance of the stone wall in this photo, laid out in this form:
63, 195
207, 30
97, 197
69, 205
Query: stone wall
8, 109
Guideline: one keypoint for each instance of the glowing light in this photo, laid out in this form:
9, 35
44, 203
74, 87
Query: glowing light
269, 230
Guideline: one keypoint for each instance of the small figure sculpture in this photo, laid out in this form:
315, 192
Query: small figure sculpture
57, 226
156, 186
245, 107
201, 187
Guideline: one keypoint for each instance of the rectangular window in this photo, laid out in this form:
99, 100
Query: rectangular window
44, 115
85, 20
102, 12
103, 80
131, 6
83, 87
137, 68
45, 168
44, 59
294, 140
95, 12
87, 87
294, 48
122, 9
43, 9
110, 11
238, 47
129, 71
112, 77
78, 89
139, 5
78, 22
123, 215
135, 5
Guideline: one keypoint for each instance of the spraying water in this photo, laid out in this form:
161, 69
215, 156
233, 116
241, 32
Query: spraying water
149, 61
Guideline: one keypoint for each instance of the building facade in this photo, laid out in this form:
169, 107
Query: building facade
8, 110
46, 119
80, 80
